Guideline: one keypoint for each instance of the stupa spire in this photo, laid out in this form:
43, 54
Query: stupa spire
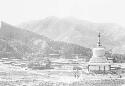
99, 41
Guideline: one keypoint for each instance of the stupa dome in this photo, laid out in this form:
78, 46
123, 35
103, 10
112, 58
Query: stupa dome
98, 52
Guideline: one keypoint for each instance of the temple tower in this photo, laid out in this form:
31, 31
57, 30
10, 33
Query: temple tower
99, 63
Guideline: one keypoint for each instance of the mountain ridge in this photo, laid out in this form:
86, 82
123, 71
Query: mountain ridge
80, 32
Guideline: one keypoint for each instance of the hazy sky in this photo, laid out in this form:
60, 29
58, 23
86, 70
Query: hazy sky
17, 11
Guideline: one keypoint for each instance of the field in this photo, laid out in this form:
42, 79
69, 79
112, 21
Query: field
17, 76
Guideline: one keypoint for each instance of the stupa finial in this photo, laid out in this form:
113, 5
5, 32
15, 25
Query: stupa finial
99, 41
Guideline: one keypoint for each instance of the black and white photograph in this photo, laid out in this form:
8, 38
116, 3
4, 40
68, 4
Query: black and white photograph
62, 42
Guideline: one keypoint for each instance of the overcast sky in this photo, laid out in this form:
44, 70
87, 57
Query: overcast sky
17, 11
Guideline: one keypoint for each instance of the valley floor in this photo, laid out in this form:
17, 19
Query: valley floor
17, 76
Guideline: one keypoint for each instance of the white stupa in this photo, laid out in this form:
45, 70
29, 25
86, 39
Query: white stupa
98, 53
99, 62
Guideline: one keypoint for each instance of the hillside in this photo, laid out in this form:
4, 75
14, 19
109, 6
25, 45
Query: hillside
80, 32
18, 43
